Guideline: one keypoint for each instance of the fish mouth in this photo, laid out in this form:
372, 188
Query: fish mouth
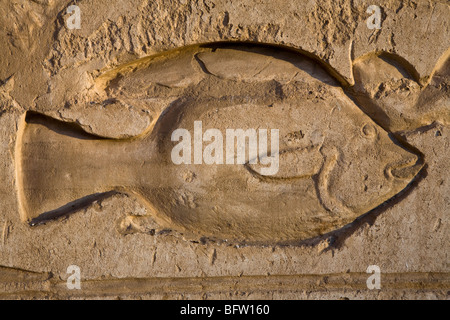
406, 169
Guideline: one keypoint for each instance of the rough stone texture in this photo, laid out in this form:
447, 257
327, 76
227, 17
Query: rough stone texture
47, 68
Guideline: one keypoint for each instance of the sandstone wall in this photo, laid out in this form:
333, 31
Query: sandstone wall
397, 74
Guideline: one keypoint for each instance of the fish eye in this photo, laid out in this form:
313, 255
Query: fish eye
368, 130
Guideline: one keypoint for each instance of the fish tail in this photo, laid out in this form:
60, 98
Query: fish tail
60, 168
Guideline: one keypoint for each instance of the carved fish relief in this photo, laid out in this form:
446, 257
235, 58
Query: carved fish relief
335, 162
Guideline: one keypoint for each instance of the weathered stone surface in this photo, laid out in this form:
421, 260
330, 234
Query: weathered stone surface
105, 79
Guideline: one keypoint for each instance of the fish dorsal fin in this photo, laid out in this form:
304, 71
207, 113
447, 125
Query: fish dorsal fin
136, 93
173, 69
261, 64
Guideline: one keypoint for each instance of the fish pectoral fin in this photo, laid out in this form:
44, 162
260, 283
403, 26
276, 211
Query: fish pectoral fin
295, 163
327, 200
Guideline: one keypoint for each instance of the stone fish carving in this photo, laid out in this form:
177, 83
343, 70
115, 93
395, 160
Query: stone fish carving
335, 162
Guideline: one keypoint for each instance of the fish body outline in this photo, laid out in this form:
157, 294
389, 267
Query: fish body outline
58, 164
